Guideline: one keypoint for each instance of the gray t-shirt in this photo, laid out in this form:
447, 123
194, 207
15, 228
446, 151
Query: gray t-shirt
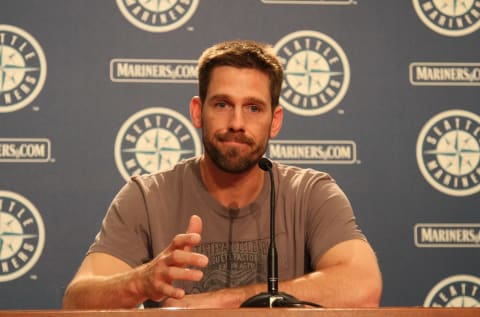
312, 215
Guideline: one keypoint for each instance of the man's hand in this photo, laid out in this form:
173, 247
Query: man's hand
173, 263
122, 286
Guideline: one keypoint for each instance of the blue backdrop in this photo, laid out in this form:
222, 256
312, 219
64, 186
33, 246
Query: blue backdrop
384, 95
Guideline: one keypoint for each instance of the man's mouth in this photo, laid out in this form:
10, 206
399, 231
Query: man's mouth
235, 139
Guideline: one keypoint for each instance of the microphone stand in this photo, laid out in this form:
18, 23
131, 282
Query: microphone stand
271, 298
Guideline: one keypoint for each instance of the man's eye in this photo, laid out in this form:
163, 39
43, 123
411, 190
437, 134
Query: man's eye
253, 108
221, 105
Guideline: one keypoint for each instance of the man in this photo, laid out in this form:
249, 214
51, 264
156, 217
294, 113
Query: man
221, 198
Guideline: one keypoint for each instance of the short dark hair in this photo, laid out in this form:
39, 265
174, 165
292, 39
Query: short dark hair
241, 54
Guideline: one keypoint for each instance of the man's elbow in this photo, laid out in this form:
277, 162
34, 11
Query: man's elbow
72, 297
67, 302
371, 292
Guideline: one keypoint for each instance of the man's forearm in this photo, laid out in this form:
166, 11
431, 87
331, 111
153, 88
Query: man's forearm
223, 298
332, 287
348, 276
117, 291
337, 287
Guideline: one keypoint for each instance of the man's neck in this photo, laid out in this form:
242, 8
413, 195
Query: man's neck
230, 189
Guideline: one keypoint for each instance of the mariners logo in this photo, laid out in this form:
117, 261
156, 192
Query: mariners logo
455, 291
22, 235
448, 152
317, 73
153, 140
158, 15
23, 68
448, 17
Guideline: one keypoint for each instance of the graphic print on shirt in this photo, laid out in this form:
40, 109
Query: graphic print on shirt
233, 264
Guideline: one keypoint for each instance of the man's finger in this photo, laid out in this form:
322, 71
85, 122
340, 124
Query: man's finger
195, 225
181, 258
180, 241
167, 290
182, 274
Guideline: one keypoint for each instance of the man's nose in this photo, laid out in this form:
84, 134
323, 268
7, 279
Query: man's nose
237, 119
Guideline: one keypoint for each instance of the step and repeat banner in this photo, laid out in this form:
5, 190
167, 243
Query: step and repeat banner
383, 95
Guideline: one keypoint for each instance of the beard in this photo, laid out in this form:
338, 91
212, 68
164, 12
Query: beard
233, 159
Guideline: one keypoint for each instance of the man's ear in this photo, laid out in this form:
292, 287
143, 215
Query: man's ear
196, 112
277, 121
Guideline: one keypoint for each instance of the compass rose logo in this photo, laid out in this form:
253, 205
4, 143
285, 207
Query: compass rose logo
448, 152
22, 68
154, 139
157, 15
449, 17
317, 73
22, 235
455, 291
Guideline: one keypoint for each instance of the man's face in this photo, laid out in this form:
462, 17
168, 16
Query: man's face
236, 118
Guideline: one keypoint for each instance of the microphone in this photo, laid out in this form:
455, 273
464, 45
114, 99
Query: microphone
272, 298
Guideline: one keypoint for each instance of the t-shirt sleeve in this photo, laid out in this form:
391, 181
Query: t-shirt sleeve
124, 230
330, 219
